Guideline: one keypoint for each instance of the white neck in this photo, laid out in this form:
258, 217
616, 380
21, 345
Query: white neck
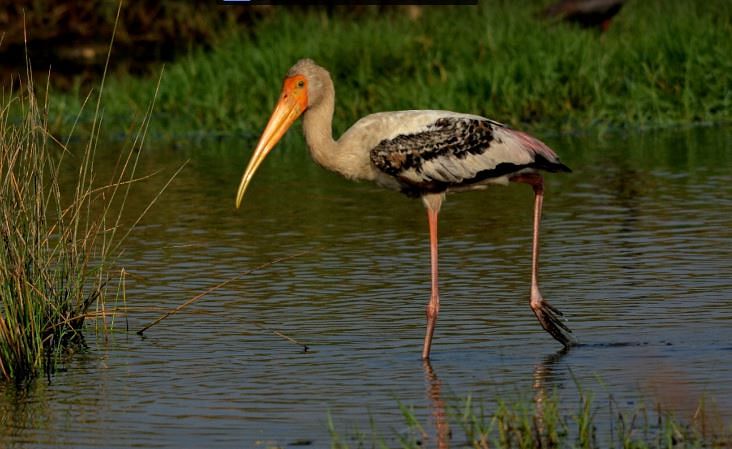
318, 128
348, 157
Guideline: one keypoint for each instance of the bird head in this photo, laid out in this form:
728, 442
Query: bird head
300, 90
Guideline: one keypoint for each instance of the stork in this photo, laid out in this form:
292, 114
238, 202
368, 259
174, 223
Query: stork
422, 153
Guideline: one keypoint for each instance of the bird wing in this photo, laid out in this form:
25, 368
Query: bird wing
567, 8
460, 150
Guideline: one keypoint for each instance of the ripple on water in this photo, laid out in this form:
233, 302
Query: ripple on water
637, 259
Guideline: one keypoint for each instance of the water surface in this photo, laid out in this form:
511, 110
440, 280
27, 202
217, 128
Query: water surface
635, 251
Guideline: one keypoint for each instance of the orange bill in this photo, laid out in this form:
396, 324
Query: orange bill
292, 103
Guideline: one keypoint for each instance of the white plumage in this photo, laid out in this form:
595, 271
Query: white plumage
424, 153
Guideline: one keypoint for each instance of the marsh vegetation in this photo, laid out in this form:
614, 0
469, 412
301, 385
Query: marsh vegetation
632, 246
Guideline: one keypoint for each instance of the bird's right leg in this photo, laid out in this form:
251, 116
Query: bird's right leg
549, 317
433, 203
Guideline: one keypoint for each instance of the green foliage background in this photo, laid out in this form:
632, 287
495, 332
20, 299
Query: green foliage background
662, 63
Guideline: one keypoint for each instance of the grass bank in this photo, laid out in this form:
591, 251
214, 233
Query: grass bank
73, 37
662, 63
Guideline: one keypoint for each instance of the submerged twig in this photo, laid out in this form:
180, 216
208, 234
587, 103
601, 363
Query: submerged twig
222, 284
305, 347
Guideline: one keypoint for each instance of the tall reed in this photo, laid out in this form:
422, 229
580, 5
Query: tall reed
58, 244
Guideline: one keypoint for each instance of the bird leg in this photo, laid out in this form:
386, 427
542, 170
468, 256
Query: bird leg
549, 317
432, 202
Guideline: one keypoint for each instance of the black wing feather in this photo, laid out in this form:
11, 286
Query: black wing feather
436, 158
446, 137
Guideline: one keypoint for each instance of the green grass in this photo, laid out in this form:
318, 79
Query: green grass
58, 242
662, 63
536, 424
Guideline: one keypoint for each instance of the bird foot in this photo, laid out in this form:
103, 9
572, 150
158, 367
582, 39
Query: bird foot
552, 320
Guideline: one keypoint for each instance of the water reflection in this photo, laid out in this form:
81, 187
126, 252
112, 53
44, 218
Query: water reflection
23, 407
634, 252
545, 380
437, 406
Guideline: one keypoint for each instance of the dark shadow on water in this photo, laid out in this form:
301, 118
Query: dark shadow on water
617, 344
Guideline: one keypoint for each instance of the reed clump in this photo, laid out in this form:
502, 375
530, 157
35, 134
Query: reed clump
58, 242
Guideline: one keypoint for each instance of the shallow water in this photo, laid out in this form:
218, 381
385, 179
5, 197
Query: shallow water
635, 252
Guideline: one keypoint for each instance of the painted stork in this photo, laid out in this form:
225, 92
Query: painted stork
423, 154
586, 13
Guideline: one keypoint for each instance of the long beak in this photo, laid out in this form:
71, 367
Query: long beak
290, 106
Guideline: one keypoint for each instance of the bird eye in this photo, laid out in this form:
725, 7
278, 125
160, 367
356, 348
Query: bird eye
301, 83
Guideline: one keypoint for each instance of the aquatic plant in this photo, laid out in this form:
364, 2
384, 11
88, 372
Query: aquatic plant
541, 423
57, 247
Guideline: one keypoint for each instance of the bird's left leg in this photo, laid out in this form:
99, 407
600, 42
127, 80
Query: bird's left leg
549, 317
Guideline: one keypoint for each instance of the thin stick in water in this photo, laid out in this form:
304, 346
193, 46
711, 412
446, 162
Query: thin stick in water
218, 286
305, 347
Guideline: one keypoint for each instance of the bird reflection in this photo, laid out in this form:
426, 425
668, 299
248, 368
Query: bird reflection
544, 378
439, 415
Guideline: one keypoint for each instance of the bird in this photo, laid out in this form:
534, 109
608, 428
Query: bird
586, 13
421, 153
